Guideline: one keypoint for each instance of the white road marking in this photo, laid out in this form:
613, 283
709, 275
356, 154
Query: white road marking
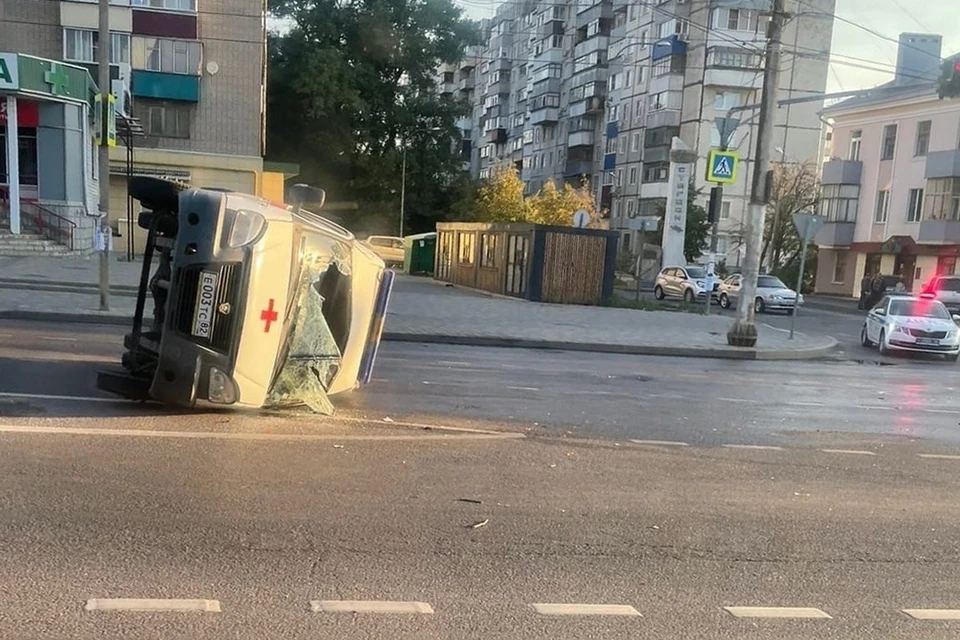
523, 388
553, 609
216, 435
947, 411
59, 338
876, 408
661, 443
807, 404
422, 425
852, 452
933, 614
937, 456
739, 400
776, 612
45, 396
368, 606
758, 447
151, 604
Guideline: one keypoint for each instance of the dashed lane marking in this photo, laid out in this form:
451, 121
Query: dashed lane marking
937, 456
151, 604
739, 400
661, 443
368, 606
933, 614
776, 612
807, 404
559, 609
756, 447
523, 388
852, 452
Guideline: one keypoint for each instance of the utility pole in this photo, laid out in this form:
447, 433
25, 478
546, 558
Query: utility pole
104, 157
403, 183
743, 332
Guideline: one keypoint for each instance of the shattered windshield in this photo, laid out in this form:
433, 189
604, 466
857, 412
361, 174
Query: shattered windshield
318, 323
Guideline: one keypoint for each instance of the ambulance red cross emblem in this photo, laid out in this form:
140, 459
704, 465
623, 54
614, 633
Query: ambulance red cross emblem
268, 316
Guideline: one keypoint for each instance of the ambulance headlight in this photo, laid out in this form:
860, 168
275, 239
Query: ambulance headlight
248, 226
220, 388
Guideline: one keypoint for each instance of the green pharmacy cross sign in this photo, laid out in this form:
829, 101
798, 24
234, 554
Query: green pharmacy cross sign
57, 79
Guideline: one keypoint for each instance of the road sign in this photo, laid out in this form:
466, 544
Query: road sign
726, 127
722, 166
807, 224
581, 219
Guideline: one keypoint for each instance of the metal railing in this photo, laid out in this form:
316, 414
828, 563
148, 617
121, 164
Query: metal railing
36, 218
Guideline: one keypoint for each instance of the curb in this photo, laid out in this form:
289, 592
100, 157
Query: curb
720, 353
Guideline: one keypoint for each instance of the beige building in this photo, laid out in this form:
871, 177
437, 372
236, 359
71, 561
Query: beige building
189, 74
891, 188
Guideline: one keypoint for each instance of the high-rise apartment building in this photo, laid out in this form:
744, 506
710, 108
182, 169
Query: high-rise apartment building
596, 90
191, 74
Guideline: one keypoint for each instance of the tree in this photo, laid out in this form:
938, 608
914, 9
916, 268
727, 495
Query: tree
697, 228
500, 197
795, 189
557, 206
351, 84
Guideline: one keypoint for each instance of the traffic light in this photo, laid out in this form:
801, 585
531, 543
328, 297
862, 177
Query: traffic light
950, 79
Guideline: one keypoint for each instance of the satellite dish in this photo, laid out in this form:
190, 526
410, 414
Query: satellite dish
581, 219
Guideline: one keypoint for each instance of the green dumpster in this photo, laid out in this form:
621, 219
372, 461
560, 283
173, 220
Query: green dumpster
418, 252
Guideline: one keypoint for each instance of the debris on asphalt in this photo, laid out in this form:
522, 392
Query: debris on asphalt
470, 500
338, 446
388, 419
477, 525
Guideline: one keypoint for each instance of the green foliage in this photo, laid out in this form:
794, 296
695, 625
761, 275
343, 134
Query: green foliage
697, 236
351, 84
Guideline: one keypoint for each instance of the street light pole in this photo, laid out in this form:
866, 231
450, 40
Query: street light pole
104, 153
743, 332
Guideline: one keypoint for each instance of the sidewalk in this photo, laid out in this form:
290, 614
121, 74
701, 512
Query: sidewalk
422, 310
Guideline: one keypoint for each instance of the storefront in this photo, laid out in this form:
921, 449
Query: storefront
48, 181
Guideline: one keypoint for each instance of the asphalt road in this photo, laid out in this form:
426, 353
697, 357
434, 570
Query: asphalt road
255, 517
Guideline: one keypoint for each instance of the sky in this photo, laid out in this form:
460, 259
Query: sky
886, 17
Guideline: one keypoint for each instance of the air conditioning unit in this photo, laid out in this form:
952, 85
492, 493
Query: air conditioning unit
121, 92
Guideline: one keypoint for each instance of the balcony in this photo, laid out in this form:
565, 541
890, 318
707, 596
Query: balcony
670, 46
612, 129
497, 136
552, 27
609, 161
500, 87
580, 139
591, 45
939, 231
553, 55
666, 82
837, 234
447, 88
737, 78
842, 172
943, 164
586, 106
548, 115
550, 85
165, 86
578, 168
602, 10
663, 118
466, 84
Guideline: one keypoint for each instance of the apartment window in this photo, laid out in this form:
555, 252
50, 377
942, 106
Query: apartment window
169, 56
922, 145
630, 208
638, 110
889, 145
839, 202
169, 5
733, 58
856, 138
726, 100
633, 175
839, 266
488, 250
883, 206
665, 100
725, 210
915, 205
619, 177
81, 45
656, 172
942, 201
623, 144
735, 19
165, 120
466, 248
636, 142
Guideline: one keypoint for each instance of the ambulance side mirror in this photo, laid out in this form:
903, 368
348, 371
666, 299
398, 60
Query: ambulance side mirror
301, 194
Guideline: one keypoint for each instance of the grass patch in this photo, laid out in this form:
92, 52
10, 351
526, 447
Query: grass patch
620, 302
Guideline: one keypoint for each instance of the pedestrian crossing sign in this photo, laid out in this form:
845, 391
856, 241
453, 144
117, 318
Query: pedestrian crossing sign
722, 166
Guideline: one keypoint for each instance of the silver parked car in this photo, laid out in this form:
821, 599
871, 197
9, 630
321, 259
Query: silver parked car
687, 282
908, 323
772, 294
946, 289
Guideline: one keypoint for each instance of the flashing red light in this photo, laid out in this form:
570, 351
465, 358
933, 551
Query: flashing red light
956, 66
